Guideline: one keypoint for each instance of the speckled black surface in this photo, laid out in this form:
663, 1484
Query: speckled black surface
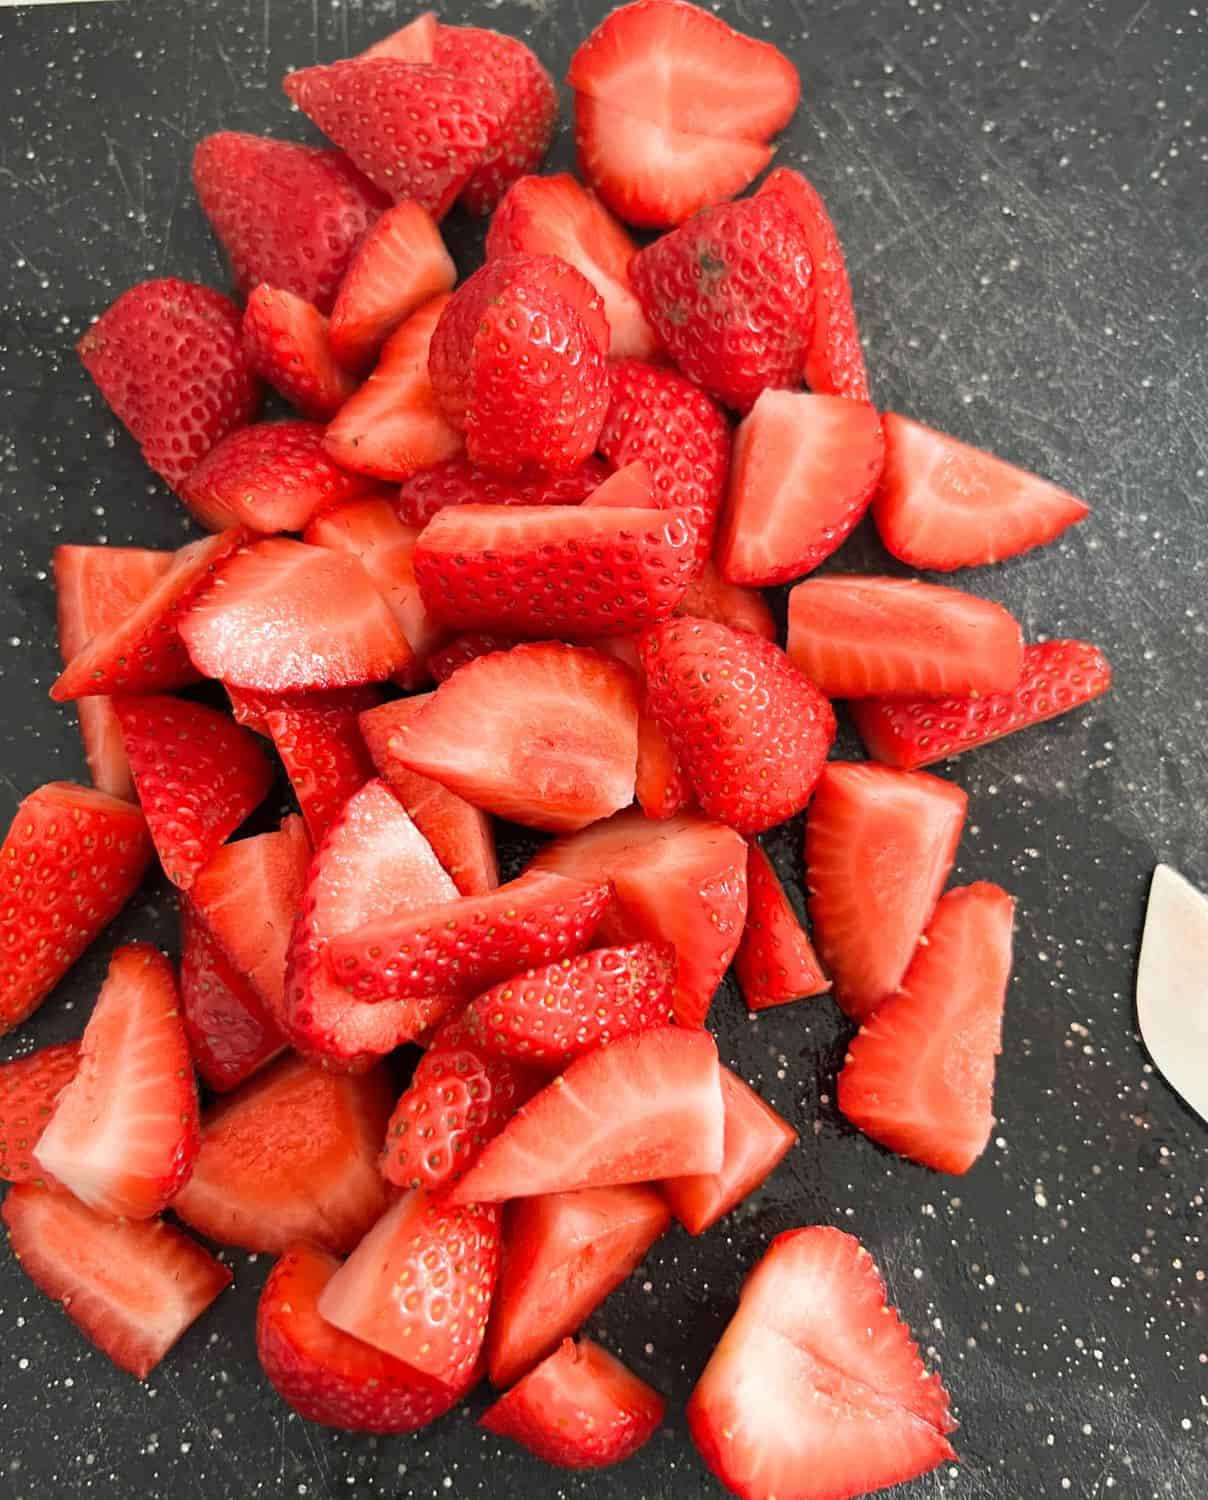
1022, 197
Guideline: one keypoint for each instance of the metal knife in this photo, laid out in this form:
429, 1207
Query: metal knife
1172, 985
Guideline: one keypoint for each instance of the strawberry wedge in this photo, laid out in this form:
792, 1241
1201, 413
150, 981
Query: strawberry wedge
29, 1087
286, 339
775, 963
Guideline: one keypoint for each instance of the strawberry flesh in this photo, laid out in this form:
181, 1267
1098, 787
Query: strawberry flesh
775, 962
29, 1087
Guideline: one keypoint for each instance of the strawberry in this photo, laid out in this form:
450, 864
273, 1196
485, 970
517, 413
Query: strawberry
1057, 676
95, 588
463, 649
834, 360
393, 427
730, 295
288, 214
286, 617
878, 848
805, 471
750, 730
328, 1376
447, 1256
756, 1141
123, 1135
415, 131
580, 1409
143, 651
556, 216
563, 1253
544, 734
132, 1288
70, 861
458, 482
858, 637
660, 786
29, 1087
775, 962
287, 345
945, 505
710, 597
232, 1031
169, 360
415, 42
816, 1390
291, 1155
646, 1107
198, 777
319, 741
549, 1016
682, 881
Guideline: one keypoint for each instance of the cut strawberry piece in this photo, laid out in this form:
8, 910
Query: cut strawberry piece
292, 1155
401, 264
131, 1288
749, 729
285, 617
415, 42
288, 346
393, 426
711, 597
1058, 676
231, 1028
446, 1256
198, 777
660, 786
328, 1376
415, 131
462, 650
627, 488
202, 387
878, 848
816, 1390
945, 505
580, 1409
318, 738
70, 861
29, 1087
775, 962
563, 1254
458, 482
805, 471
545, 734
649, 1106
834, 360
123, 1135
288, 214
757, 1140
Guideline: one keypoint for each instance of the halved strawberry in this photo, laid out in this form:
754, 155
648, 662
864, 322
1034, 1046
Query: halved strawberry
446, 1256
816, 1390
198, 774
646, 1107
861, 637
29, 1087
70, 861
919, 1075
458, 482
711, 597
580, 1409
288, 346
805, 470
1057, 677
945, 505
878, 848
291, 1155
562, 1255
286, 617
775, 962
415, 42
123, 1136
757, 1140
132, 1288
318, 737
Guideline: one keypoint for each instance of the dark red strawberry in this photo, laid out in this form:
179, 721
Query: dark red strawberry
231, 1029
29, 1087
319, 741
775, 962
287, 344
415, 42
458, 482
710, 597
463, 649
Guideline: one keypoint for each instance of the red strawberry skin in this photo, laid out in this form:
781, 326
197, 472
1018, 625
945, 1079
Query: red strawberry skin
287, 344
776, 962
458, 482
318, 738
231, 1029
29, 1087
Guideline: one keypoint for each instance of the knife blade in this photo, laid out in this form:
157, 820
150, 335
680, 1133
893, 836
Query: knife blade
1172, 985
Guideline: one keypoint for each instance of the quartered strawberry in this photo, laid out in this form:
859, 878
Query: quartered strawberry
131, 1287
70, 861
123, 1135
231, 1028
318, 737
945, 505
288, 214
816, 1390
756, 1141
291, 1155
198, 774
775, 962
29, 1087
864, 637
919, 1075
660, 786
462, 650
562, 1255
878, 848
805, 471
749, 729
580, 1409
419, 1285
710, 597
288, 346
415, 42
458, 482
1057, 677
646, 1107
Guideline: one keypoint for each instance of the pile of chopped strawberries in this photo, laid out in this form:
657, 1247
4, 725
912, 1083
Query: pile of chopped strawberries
505, 562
